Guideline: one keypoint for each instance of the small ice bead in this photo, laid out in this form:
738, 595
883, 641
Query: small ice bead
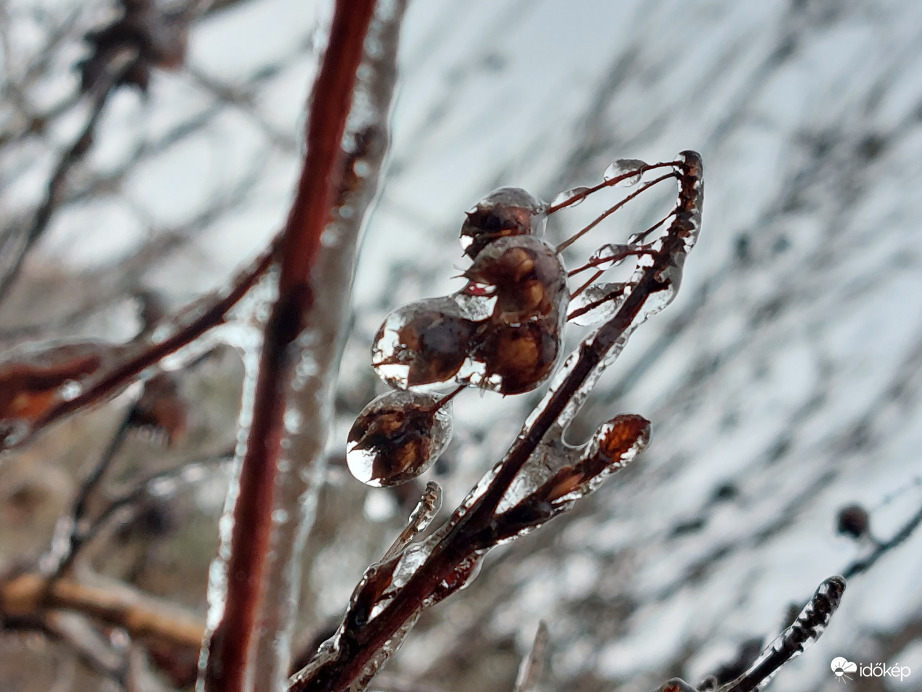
632, 169
421, 343
397, 437
563, 198
508, 211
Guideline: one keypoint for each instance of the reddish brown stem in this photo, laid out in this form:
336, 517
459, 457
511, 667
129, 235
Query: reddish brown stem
320, 177
126, 372
604, 215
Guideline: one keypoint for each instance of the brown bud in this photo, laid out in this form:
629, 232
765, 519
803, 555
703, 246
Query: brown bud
424, 342
508, 211
853, 520
162, 408
397, 437
517, 358
527, 277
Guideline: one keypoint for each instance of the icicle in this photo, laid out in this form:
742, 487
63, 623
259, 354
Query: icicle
532, 667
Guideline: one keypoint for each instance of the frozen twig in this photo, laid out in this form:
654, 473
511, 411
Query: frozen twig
323, 176
387, 601
806, 629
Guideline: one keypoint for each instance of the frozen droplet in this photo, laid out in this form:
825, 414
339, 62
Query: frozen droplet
598, 303
397, 437
564, 198
422, 343
508, 211
293, 421
632, 169
609, 255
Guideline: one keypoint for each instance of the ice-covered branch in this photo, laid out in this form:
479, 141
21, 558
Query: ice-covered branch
521, 286
291, 357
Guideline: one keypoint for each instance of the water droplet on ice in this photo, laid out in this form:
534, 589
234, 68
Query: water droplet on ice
636, 167
397, 437
565, 196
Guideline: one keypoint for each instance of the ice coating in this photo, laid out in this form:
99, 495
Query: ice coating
518, 347
576, 194
597, 304
422, 515
460, 578
609, 255
536, 497
507, 211
37, 377
422, 343
526, 276
397, 437
804, 631
632, 168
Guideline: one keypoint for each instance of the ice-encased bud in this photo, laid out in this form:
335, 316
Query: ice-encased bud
634, 167
615, 444
617, 441
397, 437
422, 343
526, 276
507, 211
516, 358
